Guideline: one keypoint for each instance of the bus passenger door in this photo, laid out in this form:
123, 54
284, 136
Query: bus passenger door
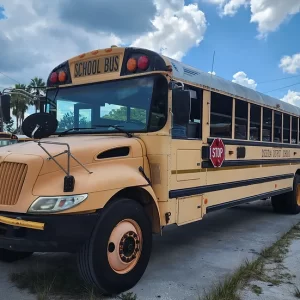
187, 173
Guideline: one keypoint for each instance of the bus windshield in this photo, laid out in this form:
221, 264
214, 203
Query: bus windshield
134, 105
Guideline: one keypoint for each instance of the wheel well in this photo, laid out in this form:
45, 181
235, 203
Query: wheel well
298, 172
143, 197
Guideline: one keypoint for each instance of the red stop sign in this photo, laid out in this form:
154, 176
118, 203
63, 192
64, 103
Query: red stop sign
217, 152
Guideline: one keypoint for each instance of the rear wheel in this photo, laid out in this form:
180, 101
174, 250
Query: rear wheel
11, 256
117, 254
288, 202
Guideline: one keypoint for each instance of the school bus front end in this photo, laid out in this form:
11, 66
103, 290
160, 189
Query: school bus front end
86, 186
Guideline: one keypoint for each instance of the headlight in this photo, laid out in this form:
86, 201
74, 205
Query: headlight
54, 204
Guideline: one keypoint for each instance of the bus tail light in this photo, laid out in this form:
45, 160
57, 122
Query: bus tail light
131, 65
143, 63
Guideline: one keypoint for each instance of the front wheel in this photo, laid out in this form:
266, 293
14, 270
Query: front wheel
118, 252
11, 256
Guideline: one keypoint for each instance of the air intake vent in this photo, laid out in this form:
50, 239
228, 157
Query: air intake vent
116, 152
12, 176
190, 72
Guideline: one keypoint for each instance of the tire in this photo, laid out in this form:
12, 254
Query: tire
278, 203
288, 203
11, 256
123, 226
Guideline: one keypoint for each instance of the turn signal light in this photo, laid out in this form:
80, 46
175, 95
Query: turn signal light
131, 65
62, 76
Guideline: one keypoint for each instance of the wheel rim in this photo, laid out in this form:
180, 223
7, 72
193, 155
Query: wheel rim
124, 246
298, 194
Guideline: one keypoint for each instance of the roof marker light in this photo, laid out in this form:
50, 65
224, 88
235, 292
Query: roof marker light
131, 64
53, 77
62, 76
143, 63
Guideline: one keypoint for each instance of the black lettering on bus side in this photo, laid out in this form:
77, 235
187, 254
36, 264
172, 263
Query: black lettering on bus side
286, 153
89, 67
266, 153
98, 66
111, 64
94, 67
106, 65
77, 72
84, 68
116, 63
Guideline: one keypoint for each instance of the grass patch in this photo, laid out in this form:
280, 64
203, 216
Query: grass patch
255, 270
63, 281
256, 289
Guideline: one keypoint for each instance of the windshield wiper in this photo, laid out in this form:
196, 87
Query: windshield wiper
117, 128
75, 128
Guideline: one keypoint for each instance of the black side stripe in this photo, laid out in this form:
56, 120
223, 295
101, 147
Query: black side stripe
256, 143
252, 162
246, 200
225, 186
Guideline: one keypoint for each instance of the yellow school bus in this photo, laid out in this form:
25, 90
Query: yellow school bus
130, 142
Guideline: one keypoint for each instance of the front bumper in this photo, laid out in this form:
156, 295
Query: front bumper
46, 233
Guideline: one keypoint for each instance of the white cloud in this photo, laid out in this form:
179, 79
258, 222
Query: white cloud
268, 14
213, 73
38, 35
292, 97
290, 64
242, 79
178, 28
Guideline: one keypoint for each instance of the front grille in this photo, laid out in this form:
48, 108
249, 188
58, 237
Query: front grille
12, 176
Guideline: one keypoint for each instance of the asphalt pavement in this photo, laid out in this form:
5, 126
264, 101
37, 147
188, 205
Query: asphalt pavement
189, 259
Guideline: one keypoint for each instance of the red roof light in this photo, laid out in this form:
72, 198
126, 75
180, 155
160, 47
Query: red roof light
53, 77
143, 63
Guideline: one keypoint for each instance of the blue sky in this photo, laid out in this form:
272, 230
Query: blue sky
39, 35
237, 48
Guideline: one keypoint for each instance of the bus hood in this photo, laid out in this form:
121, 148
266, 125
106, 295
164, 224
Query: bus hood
85, 148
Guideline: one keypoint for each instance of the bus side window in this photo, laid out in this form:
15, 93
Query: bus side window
181, 106
267, 125
194, 128
294, 130
255, 120
221, 116
286, 128
241, 119
277, 127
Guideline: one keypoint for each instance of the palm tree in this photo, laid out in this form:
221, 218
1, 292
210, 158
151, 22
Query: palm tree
37, 86
19, 104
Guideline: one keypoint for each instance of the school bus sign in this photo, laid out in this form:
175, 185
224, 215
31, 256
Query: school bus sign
217, 152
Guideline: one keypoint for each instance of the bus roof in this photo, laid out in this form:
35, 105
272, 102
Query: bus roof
184, 72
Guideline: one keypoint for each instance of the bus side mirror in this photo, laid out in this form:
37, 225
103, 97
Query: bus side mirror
5, 107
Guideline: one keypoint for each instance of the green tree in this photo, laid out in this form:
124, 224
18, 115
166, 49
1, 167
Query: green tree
19, 104
9, 126
67, 122
37, 87
120, 114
